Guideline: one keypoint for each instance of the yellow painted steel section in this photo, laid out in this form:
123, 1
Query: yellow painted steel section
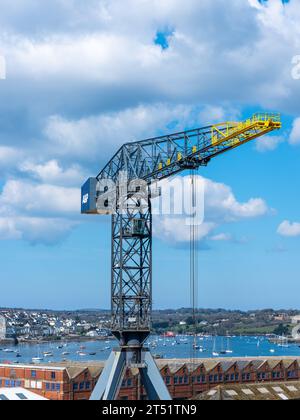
231, 134
235, 133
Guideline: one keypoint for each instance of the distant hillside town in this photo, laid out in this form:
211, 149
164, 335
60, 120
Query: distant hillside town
42, 325
26, 325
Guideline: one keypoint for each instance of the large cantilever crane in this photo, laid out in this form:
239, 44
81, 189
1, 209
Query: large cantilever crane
131, 264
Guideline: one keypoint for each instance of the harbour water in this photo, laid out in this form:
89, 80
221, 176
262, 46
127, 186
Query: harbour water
179, 347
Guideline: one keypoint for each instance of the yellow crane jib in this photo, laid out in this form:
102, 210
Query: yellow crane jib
235, 133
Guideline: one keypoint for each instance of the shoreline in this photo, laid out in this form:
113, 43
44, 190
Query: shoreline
62, 341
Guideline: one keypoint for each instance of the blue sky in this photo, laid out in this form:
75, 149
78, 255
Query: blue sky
84, 78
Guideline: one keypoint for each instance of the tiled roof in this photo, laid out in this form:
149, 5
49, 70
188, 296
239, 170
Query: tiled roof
267, 391
18, 394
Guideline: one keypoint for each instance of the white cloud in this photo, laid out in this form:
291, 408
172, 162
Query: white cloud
115, 57
86, 137
35, 230
295, 133
9, 156
216, 114
25, 197
268, 143
222, 237
52, 173
221, 207
8, 229
174, 230
91, 80
289, 229
38, 213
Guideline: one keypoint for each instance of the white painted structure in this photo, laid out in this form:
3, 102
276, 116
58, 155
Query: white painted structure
19, 394
296, 319
2, 327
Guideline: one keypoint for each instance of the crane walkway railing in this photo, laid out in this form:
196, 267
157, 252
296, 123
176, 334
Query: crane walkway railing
239, 131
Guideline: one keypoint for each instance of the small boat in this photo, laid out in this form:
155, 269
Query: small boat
272, 351
18, 355
65, 353
214, 352
228, 350
8, 351
81, 354
107, 348
48, 354
82, 347
59, 347
37, 359
92, 354
158, 356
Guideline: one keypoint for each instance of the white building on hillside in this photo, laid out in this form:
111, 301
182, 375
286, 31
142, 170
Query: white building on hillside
2, 327
296, 319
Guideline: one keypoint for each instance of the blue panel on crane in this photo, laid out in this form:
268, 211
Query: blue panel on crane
88, 197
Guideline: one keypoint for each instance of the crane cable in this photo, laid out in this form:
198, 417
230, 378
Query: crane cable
194, 263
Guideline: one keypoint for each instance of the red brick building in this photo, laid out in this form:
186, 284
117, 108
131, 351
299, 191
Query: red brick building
75, 381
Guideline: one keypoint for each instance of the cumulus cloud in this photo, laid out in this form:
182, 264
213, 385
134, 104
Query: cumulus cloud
289, 229
268, 143
83, 80
52, 172
9, 156
222, 237
37, 213
220, 208
215, 114
84, 138
27, 197
295, 133
111, 58
35, 230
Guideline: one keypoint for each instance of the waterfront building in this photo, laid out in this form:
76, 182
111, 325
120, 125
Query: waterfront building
2, 328
184, 379
19, 394
282, 391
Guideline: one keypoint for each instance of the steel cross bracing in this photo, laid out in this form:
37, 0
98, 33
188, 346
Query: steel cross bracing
131, 299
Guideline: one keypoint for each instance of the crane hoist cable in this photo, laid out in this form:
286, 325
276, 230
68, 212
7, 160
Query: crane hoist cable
194, 266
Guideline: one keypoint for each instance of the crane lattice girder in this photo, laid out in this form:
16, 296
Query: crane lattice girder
161, 157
